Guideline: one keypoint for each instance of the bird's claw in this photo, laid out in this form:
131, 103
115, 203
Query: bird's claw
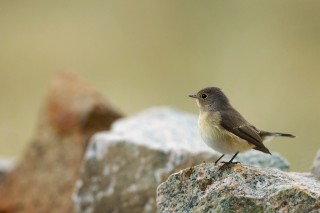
227, 164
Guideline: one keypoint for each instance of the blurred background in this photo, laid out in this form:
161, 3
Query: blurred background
139, 54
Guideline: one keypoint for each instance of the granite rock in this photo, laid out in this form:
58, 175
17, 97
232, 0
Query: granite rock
124, 166
43, 180
315, 170
238, 188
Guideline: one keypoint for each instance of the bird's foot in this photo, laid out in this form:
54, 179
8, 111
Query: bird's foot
230, 163
227, 164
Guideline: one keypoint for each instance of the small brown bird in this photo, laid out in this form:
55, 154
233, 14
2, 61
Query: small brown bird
224, 129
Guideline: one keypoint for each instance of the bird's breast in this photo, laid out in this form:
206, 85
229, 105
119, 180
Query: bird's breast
209, 126
218, 138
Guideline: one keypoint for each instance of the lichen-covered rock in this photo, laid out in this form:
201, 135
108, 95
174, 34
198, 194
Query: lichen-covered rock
315, 170
124, 166
43, 181
238, 188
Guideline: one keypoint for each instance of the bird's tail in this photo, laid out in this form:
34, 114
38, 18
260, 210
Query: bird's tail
267, 136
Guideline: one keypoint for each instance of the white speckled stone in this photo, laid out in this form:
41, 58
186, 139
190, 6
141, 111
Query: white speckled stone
315, 170
124, 166
238, 188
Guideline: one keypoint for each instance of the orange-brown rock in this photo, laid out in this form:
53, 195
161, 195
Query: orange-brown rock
44, 179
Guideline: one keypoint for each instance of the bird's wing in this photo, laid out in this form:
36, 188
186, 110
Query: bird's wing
235, 123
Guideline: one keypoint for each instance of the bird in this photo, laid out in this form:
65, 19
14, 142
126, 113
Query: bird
224, 129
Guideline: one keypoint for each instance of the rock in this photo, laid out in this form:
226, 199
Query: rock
315, 170
6, 166
44, 179
238, 188
124, 166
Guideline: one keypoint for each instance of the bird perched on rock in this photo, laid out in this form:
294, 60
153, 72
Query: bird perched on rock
224, 129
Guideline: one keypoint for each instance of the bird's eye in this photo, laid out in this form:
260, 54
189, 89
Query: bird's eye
204, 96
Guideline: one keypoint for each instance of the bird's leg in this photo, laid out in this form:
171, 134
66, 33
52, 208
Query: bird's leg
215, 163
227, 164
230, 161
233, 158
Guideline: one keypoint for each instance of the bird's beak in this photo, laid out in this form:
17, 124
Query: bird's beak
192, 96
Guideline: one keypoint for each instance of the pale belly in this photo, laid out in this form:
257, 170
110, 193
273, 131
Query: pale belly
221, 140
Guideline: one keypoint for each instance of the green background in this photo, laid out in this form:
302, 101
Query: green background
265, 55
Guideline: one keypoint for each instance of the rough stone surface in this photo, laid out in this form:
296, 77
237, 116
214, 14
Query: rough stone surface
238, 188
315, 170
44, 179
124, 166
